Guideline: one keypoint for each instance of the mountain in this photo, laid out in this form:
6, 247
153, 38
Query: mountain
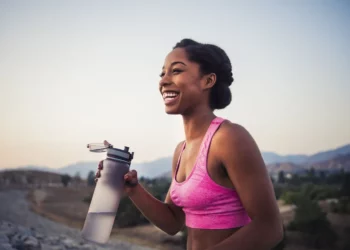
162, 166
334, 164
326, 155
28, 176
286, 167
271, 157
83, 168
32, 167
147, 169
153, 168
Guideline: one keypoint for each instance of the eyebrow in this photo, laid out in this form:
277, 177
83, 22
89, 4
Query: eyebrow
176, 62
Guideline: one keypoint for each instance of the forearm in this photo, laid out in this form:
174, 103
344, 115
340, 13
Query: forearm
257, 235
156, 211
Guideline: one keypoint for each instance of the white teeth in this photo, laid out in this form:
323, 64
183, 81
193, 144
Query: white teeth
169, 95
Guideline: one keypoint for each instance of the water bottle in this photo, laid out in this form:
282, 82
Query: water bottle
107, 194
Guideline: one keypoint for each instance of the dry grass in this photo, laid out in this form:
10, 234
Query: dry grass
66, 205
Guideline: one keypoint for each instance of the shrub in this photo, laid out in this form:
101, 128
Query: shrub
342, 206
291, 197
312, 221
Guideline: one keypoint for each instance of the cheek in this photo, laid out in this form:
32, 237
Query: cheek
188, 85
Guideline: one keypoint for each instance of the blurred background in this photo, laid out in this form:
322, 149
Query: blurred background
78, 72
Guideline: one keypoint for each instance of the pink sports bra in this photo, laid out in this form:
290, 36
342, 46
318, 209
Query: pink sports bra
206, 204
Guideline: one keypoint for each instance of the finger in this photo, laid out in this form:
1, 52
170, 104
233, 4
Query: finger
131, 183
100, 165
131, 179
127, 176
98, 174
133, 173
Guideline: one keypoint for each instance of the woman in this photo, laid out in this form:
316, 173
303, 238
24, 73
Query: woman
220, 188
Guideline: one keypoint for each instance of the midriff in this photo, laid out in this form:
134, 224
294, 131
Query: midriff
199, 239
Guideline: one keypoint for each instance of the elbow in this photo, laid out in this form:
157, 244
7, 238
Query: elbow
272, 231
280, 235
172, 233
174, 230
277, 235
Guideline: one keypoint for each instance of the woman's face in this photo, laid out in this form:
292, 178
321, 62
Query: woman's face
182, 85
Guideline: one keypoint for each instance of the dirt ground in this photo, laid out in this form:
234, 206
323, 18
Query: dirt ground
65, 205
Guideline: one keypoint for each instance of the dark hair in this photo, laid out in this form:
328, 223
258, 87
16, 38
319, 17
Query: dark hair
211, 59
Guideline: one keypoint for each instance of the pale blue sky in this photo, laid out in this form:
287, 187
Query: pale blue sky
74, 72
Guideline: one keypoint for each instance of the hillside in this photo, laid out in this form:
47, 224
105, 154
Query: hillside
28, 177
286, 167
334, 164
274, 162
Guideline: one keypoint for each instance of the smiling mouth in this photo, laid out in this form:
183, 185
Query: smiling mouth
170, 97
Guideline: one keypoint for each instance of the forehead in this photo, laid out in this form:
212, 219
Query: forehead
176, 55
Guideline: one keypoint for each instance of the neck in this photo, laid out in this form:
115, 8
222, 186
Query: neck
197, 123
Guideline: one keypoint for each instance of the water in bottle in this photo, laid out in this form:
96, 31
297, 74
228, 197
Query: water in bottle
107, 194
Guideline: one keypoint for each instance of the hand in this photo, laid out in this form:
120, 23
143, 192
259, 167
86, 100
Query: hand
130, 178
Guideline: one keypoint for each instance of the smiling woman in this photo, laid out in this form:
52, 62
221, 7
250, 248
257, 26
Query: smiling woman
220, 188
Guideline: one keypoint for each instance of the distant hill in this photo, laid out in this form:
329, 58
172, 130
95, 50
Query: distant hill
334, 164
286, 167
32, 167
83, 168
326, 155
162, 166
270, 157
25, 177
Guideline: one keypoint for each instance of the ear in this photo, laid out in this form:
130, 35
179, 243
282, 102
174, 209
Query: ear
209, 81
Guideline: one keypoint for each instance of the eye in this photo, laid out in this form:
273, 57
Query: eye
177, 71
161, 74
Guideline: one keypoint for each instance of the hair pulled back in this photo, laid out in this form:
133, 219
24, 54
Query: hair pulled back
211, 59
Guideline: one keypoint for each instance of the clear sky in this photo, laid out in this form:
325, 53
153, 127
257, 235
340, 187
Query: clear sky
74, 72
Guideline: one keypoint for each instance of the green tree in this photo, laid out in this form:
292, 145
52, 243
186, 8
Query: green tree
281, 177
77, 176
311, 175
65, 179
345, 187
312, 222
91, 178
291, 197
128, 214
295, 180
322, 176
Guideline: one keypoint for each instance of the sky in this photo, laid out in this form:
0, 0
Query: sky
76, 72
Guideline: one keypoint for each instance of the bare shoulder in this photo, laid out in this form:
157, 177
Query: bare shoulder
230, 132
234, 143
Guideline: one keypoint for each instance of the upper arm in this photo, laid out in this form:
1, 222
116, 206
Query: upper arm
246, 169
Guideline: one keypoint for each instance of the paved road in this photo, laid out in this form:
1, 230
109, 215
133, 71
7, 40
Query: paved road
14, 208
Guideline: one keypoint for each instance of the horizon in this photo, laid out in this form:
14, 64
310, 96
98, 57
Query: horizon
165, 157
66, 65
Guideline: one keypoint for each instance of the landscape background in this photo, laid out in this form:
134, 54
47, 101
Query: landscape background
327, 160
79, 72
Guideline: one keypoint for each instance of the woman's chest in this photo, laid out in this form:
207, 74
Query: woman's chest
194, 161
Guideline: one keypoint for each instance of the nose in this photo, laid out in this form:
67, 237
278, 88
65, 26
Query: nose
164, 81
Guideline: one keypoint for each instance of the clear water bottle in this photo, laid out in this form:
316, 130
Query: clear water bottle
107, 194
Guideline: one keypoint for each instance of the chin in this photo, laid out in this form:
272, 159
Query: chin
172, 111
